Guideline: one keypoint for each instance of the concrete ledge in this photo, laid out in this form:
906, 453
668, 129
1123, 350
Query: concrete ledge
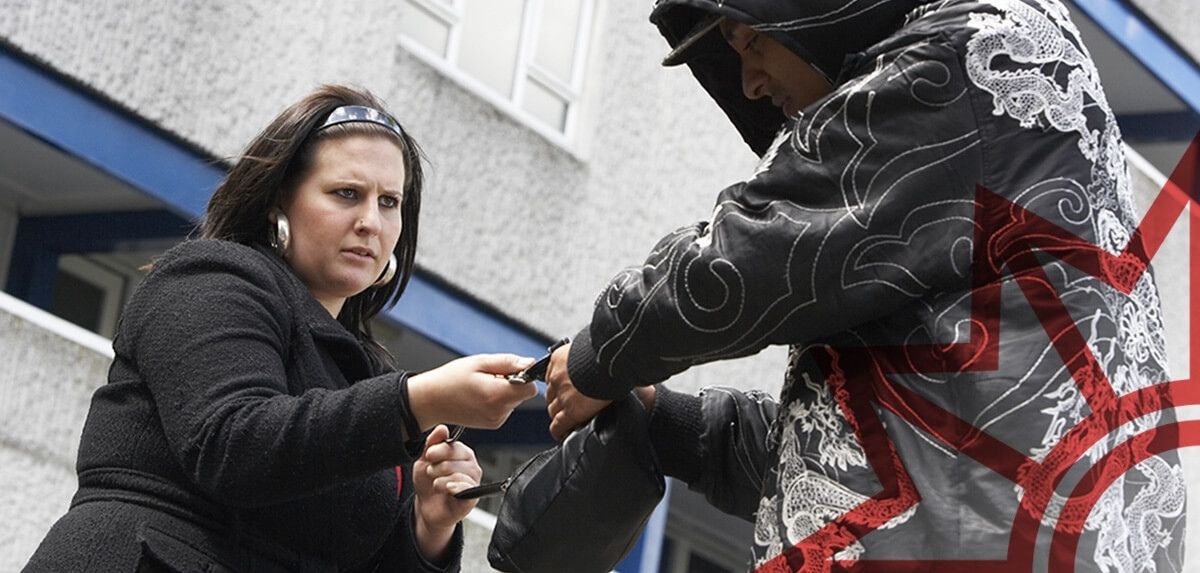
36, 493
50, 369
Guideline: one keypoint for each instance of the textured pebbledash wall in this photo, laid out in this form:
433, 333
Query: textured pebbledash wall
1178, 18
46, 383
509, 217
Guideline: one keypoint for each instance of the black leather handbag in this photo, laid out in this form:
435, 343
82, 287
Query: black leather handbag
581, 505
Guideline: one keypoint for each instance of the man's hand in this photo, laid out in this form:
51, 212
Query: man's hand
568, 408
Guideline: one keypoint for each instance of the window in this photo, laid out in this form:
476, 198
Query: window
91, 290
524, 56
683, 556
89, 294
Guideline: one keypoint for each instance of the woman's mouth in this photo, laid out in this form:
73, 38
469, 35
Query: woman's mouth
363, 253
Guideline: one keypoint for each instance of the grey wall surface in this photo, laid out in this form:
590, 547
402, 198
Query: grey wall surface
1178, 18
655, 152
656, 149
46, 383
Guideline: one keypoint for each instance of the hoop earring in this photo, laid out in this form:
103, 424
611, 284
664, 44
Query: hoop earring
389, 272
281, 239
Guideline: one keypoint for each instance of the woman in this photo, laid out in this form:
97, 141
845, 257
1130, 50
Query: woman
251, 421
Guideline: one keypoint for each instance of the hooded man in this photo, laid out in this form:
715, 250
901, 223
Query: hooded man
932, 230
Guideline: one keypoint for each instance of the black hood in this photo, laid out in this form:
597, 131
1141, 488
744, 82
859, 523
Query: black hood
823, 32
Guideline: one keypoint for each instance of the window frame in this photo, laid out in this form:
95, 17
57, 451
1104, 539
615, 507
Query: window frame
112, 284
451, 13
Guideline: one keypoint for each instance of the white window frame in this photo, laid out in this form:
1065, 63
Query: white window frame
451, 12
8, 239
108, 281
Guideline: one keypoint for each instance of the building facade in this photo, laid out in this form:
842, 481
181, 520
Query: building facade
560, 151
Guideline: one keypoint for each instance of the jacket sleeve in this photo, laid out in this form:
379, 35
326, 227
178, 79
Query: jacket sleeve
208, 336
401, 551
860, 207
716, 442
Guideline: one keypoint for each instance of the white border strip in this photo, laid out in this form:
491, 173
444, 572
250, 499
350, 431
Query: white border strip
56, 325
1140, 163
482, 519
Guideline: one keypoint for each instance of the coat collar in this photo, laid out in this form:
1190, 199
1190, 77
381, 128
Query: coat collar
306, 308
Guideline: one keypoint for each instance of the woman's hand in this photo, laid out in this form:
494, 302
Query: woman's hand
444, 469
471, 391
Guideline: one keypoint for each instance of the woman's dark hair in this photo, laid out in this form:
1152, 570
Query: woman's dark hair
265, 176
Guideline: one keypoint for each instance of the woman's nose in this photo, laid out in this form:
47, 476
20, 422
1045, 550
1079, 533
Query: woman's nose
368, 221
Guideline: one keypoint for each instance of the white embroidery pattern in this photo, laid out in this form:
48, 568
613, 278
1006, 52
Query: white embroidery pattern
1129, 532
1033, 39
806, 499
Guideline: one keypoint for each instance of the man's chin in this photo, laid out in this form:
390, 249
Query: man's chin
790, 109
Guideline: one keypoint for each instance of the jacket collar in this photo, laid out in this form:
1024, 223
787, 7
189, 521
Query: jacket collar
307, 309
346, 350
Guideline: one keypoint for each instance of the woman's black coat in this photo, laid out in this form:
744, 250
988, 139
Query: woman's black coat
242, 428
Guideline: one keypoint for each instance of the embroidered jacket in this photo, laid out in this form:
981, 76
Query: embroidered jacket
937, 242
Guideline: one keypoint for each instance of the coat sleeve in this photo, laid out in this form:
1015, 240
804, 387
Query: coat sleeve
401, 552
208, 336
716, 442
860, 207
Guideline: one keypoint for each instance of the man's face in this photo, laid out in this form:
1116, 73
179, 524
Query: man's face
771, 70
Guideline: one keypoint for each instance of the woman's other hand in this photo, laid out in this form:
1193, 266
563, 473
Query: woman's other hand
443, 470
472, 391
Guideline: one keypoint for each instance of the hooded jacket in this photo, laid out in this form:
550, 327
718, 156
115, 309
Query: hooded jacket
935, 242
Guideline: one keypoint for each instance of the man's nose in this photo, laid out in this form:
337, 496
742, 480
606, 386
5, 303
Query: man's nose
754, 81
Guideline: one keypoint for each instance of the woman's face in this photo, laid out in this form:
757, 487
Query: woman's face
345, 217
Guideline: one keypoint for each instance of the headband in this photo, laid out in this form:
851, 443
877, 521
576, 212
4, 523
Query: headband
356, 113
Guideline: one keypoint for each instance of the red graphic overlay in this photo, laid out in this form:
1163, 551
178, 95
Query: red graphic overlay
1007, 238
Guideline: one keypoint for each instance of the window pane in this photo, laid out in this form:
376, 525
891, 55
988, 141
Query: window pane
544, 105
425, 28
78, 300
491, 31
556, 35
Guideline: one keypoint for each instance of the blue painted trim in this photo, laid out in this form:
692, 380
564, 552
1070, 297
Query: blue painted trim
1159, 127
1163, 59
460, 324
647, 553
95, 132
527, 426
32, 275
101, 232
41, 240
655, 534
63, 115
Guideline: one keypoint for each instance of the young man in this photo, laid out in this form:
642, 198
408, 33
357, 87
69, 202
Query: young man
947, 370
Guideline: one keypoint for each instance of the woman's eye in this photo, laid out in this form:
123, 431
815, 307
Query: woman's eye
347, 193
389, 202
